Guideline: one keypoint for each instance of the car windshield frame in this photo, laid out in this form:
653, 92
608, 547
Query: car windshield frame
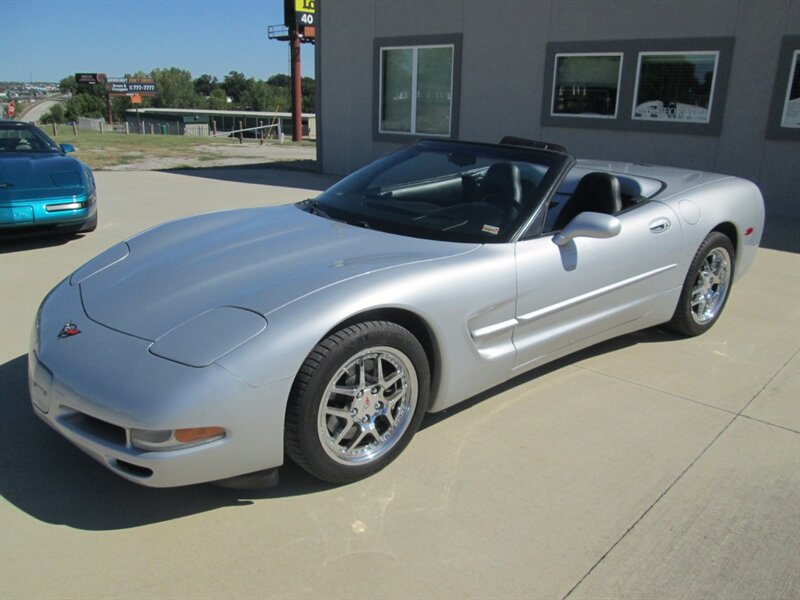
44, 143
448, 191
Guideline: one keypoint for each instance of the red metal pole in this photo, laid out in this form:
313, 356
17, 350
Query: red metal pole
297, 94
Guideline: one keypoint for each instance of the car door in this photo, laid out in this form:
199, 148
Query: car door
586, 290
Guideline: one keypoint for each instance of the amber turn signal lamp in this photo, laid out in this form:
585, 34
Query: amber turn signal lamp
196, 434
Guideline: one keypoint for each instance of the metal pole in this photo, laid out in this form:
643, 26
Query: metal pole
108, 106
297, 93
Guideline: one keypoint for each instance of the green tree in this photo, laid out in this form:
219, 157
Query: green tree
280, 80
119, 104
174, 89
308, 87
205, 84
68, 85
261, 96
235, 85
54, 115
217, 100
84, 105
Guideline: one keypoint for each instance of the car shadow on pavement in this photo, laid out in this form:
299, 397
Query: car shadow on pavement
653, 335
301, 174
19, 243
48, 478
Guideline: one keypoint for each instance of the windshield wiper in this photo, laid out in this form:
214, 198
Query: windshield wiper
376, 193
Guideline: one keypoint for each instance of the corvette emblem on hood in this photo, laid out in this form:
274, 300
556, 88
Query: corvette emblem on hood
69, 330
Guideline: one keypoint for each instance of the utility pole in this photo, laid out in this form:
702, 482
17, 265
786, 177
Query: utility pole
297, 89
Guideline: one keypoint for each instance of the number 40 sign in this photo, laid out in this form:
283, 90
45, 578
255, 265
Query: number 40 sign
304, 12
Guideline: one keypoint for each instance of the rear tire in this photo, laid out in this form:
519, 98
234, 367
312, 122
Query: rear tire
357, 401
706, 287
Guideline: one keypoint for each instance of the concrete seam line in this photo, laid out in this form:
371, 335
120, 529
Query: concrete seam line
660, 391
763, 422
649, 508
677, 479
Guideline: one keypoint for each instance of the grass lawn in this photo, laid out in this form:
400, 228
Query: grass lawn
104, 150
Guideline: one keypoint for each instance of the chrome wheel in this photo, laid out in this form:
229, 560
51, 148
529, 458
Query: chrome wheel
706, 286
367, 405
711, 286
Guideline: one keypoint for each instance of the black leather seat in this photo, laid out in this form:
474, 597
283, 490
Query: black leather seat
502, 188
595, 192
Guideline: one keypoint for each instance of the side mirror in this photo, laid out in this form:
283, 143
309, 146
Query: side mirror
67, 148
588, 224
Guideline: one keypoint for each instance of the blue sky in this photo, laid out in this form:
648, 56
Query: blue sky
46, 40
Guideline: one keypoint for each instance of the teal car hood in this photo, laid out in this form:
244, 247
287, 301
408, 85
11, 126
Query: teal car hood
33, 176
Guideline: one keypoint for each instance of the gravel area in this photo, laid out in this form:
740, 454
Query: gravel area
223, 155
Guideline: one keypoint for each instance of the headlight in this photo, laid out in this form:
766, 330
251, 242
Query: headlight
209, 336
35, 338
174, 439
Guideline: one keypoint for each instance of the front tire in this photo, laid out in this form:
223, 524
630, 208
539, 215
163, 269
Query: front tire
706, 287
357, 401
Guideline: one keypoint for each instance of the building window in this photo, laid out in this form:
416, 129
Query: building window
663, 85
675, 86
791, 102
416, 90
586, 85
784, 111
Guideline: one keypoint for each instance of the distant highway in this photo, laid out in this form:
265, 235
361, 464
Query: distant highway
37, 111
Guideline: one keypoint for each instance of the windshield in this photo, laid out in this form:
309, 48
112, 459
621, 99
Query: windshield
451, 191
24, 138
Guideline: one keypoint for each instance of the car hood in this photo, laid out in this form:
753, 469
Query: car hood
29, 176
257, 259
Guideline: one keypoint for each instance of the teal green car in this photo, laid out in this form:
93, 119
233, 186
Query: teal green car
42, 190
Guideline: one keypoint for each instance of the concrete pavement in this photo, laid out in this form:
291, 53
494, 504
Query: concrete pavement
646, 467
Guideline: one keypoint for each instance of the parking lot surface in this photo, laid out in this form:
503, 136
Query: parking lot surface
645, 467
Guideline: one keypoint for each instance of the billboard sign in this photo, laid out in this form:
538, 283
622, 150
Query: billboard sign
304, 13
90, 78
300, 13
128, 86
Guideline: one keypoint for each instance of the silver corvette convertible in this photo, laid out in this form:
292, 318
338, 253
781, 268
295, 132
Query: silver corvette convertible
212, 347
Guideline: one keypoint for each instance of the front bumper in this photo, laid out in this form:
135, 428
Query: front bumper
95, 387
58, 212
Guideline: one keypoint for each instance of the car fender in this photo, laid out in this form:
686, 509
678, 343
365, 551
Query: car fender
461, 299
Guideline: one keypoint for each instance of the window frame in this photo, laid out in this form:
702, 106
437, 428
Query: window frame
414, 88
554, 87
630, 49
789, 57
415, 43
635, 99
792, 75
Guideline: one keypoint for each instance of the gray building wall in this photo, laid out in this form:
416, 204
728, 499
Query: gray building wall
503, 70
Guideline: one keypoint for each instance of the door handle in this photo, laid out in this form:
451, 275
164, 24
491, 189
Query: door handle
660, 225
